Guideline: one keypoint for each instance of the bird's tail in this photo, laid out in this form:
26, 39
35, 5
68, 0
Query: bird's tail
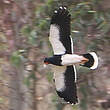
92, 62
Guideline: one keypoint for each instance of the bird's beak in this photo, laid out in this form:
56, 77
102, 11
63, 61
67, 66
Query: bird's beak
45, 64
84, 60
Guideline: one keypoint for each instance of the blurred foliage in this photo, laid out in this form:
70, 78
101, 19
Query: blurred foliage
16, 58
27, 80
90, 28
50, 76
3, 40
89, 21
30, 33
59, 106
1, 100
83, 103
84, 14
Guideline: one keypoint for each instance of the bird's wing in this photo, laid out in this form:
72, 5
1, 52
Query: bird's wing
60, 32
65, 83
61, 41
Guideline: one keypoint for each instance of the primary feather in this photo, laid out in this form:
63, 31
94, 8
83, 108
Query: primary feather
60, 32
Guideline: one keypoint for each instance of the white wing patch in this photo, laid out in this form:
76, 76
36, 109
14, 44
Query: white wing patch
57, 46
75, 73
59, 77
95, 60
72, 50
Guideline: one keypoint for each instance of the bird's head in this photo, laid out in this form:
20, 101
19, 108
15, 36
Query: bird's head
55, 60
47, 61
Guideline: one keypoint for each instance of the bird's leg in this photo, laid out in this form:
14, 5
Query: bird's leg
84, 60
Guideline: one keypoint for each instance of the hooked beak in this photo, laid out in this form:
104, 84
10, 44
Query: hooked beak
45, 64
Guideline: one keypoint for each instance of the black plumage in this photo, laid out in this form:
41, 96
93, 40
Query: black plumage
70, 92
61, 18
90, 63
64, 58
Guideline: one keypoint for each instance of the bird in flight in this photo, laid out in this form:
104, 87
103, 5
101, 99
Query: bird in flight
64, 59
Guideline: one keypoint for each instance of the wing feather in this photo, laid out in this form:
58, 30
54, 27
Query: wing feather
61, 41
65, 83
60, 32
57, 45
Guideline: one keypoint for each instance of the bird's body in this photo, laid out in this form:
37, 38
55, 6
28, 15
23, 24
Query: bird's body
64, 59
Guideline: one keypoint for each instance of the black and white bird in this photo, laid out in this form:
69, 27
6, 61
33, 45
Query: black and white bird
64, 59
